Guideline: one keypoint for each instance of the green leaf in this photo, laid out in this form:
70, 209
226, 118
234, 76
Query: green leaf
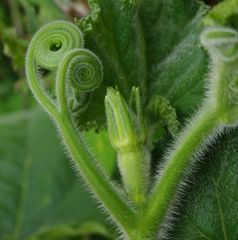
152, 44
211, 210
38, 189
177, 64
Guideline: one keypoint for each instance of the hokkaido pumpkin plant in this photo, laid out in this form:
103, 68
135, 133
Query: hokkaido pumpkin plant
140, 68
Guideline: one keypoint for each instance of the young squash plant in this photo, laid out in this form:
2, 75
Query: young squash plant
140, 68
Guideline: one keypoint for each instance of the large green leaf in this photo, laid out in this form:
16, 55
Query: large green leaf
211, 209
152, 44
155, 44
176, 63
38, 191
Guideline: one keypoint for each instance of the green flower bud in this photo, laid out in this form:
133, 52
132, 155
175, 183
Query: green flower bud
127, 133
126, 128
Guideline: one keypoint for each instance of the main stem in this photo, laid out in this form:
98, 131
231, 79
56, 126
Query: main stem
105, 192
175, 168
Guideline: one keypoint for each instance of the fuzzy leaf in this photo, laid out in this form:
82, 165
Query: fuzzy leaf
211, 209
152, 44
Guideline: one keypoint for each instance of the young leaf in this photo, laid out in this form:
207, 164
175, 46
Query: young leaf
152, 44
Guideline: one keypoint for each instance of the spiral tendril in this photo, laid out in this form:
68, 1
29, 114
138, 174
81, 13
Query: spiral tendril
79, 72
222, 45
221, 42
53, 41
58, 47
85, 70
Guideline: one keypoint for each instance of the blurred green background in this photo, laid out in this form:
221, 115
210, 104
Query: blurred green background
40, 195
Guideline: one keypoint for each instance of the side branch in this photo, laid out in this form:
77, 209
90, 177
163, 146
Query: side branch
175, 168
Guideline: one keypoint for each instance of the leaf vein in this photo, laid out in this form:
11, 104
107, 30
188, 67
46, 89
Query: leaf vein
220, 210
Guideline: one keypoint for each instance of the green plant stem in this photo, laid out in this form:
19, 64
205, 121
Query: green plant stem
98, 182
120, 211
89, 169
174, 171
36, 86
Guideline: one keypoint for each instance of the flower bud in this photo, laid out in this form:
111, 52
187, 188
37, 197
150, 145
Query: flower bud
127, 133
126, 127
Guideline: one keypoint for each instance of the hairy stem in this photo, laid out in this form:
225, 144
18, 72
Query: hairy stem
174, 170
98, 182
36, 87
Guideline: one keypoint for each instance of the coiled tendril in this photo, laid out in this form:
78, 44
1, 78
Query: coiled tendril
58, 47
83, 70
222, 45
53, 41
